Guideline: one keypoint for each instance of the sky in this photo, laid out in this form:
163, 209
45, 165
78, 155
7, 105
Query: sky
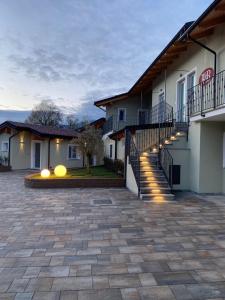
74, 52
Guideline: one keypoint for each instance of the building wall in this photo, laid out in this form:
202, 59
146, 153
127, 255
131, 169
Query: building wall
211, 157
132, 105
21, 151
195, 58
130, 180
205, 138
59, 154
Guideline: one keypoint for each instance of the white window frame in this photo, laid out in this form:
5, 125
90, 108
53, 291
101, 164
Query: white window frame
77, 155
125, 114
2, 148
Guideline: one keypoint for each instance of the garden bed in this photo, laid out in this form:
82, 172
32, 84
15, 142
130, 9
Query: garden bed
77, 178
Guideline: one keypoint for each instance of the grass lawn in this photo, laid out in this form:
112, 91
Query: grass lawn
96, 172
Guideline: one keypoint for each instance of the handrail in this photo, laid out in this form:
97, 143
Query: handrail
166, 163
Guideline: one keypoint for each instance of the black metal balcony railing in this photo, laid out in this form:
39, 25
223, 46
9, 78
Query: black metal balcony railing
207, 96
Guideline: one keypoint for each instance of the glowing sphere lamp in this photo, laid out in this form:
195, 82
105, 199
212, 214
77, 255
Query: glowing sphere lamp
60, 171
45, 173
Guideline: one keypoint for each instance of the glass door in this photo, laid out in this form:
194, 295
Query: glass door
162, 108
181, 101
37, 155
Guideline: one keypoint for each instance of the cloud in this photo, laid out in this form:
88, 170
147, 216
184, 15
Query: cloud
78, 51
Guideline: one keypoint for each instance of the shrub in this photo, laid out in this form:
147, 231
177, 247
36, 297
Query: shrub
116, 165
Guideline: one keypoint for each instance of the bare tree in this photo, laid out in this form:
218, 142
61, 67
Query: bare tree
72, 122
90, 143
46, 113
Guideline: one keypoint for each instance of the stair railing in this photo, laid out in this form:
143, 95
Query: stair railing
166, 163
134, 158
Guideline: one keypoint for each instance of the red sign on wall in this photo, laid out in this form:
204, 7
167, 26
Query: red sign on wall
206, 76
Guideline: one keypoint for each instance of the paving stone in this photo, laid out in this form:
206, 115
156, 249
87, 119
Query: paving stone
100, 282
122, 281
18, 285
109, 269
159, 293
32, 272
172, 278
108, 294
72, 283
46, 296
69, 295
147, 279
130, 294
181, 292
210, 276
59, 271
39, 284
80, 259
24, 296
8, 296
80, 270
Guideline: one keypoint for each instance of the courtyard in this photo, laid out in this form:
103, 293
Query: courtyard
105, 244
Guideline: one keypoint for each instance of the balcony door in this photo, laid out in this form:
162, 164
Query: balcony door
181, 101
190, 91
162, 108
142, 116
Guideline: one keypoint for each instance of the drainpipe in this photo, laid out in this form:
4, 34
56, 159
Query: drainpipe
215, 66
49, 143
10, 146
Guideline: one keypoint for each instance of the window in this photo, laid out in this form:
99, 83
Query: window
5, 146
110, 150
72, 152
121, 114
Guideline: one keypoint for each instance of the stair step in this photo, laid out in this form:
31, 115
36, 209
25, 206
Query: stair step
154, 185
161, 197
156, 193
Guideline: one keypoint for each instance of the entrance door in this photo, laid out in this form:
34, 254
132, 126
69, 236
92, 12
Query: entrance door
36, 155
181, 101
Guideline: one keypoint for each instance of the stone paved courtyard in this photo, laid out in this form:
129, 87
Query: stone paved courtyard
107, 245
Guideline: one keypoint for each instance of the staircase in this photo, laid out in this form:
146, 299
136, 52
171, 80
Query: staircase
153, 182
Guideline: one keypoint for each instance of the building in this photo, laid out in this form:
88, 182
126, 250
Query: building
26, 146
169, 128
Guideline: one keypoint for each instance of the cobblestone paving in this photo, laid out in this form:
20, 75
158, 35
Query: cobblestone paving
106, 245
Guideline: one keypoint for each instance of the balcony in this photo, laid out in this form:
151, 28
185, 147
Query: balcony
160, 113
207, 97
113, 124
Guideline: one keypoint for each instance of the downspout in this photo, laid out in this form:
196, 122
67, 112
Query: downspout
10, 138
215, 66
116, 144
49, 144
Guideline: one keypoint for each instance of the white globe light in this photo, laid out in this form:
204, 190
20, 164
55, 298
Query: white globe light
60, 171
45, 173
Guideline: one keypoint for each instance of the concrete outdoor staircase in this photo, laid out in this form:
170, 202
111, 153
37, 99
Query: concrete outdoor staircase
153, 183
